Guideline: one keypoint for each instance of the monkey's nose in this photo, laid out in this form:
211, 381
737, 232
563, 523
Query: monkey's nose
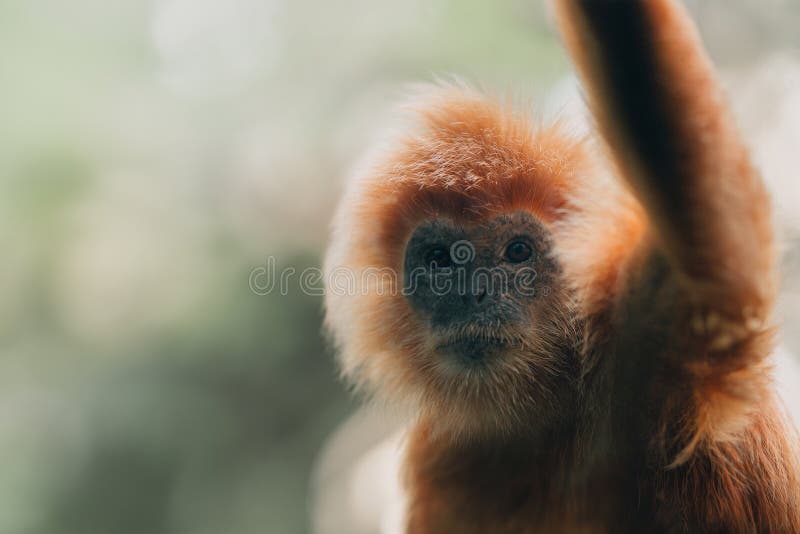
477, 298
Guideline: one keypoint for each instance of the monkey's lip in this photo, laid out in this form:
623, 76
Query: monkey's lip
473, 348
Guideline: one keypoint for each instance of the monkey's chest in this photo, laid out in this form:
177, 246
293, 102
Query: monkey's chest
514, 493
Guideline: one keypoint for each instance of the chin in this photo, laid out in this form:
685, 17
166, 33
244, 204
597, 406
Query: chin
475, 353
486, 387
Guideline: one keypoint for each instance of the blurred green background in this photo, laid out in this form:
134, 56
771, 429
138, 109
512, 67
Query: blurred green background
152, 154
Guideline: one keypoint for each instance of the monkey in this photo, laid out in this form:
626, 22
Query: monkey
610, 369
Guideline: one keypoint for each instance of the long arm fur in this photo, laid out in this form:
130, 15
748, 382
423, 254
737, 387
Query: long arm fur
664, 118
662, 113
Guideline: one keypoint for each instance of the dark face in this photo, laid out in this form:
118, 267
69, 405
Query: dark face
479, 287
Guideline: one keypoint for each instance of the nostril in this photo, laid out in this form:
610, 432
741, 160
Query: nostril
480, 296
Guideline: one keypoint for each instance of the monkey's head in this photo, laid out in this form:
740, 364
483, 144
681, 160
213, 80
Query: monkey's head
445, 285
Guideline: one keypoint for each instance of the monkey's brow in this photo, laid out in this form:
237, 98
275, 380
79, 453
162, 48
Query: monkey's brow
448, 223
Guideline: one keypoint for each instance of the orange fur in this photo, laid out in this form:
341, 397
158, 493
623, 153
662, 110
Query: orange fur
469, 159
640, 397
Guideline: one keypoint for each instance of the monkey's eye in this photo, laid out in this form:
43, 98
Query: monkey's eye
518, 251
438, 258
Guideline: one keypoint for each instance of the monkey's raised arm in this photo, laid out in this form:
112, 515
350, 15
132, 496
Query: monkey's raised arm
662, 113
659, 107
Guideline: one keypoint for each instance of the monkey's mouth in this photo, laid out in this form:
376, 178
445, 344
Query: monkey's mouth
473, 349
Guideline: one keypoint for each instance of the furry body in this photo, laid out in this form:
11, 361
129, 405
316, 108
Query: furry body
638, 395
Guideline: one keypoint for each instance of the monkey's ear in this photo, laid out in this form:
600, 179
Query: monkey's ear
662, 113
